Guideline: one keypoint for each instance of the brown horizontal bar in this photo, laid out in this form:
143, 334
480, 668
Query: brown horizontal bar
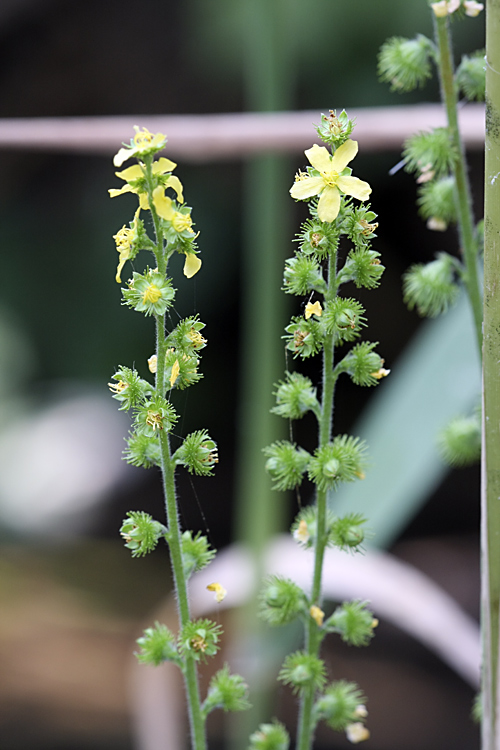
202, 138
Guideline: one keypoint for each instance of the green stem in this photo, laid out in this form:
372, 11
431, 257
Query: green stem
490, 509
190, 671
307, 725
196, 720
462, 188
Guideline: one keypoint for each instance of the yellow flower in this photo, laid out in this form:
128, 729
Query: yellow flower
331, 181
182, 222
317, 614
124, 240
162, 204
357, 732
175, 373
192, 265
313, 309
472, 8
220, 591
144, 143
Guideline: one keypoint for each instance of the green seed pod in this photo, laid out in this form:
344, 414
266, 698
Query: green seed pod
340, 461
157, 645
405, 63
354, 622
471, 76
198, 453
431, 288
302, 671
270, 737
286, 464
281, 601
141, 532
226, 691
295, 397
342, 703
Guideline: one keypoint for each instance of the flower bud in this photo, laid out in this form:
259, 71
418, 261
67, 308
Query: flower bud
354, 622
302, 671
431, 288
157, 645
281, 601
270, 737
198, 453
339, 704
286, 464
141, 533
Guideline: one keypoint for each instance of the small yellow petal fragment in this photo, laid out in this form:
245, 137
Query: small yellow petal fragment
374, 622
381, 373
220, 591
361, 711
313, 309
153, 363
317, 614
301, 533
175, 373
357, 732
192, 265
472, 8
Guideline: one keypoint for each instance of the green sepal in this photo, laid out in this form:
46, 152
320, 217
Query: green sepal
470, 76
347, 533
304, 337
143, 450
226, 691
154, 415
359, 225
270, 737
405, 63
302, 671
198, 453
186, 336
141, 532
364, 366
343, 318
430, 154
436, 202
303, 275
188, 369
354, 622
343, 460
295, 397
200, 638
130, 389
286, 464
318, 238
196, 552
431, 288
460, 442
150, 293
341, 704
363, 268
281, 601
157, 645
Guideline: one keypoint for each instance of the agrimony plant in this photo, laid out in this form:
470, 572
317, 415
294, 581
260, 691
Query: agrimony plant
165, 227
334, 249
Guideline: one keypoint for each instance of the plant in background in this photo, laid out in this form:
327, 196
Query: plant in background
334, 249
167, 228
437, 160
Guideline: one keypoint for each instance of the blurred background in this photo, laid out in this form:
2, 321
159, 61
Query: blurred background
72, 600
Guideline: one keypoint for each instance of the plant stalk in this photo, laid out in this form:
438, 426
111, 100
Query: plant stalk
490, 468
463, 198
306, 725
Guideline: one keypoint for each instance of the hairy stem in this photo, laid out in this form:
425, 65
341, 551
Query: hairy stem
307, 725
463, 199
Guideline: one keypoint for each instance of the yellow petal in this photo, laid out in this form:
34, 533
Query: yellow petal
143, 201
123, 260
131, 173
122, 155
344, 154
355, 187
113, 192
306, 188
163, 204
220, 591
163, 165
192, 265
319, 158
313, 309
175, 372
176, 184
329, 204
